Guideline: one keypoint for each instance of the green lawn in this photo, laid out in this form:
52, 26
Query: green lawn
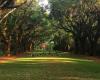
50, 68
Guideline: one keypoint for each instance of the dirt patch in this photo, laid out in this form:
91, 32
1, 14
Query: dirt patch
5, 59
96, 59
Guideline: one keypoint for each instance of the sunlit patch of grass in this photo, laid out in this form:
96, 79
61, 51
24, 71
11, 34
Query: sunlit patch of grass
51, 60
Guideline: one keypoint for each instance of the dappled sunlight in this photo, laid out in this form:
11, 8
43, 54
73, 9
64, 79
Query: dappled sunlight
35, 60
45, 60
50, 60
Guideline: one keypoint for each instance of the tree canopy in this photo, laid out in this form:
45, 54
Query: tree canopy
72, 25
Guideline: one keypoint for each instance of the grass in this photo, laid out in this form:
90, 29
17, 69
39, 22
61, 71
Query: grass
50, 68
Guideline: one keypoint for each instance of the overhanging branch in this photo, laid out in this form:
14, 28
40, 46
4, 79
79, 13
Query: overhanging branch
7, 14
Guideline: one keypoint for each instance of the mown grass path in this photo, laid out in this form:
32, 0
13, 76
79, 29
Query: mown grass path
49, 68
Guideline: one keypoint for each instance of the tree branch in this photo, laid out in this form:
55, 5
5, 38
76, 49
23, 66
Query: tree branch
7, 14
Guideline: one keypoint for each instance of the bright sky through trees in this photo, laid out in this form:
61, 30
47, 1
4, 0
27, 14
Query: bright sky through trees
43, 2
45, 5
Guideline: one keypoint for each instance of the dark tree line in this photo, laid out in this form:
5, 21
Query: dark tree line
71, 25
82, 20
19, 29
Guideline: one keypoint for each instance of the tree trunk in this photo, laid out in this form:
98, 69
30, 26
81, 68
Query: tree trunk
9, 46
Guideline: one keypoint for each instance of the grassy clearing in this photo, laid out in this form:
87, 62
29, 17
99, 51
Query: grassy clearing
50, 68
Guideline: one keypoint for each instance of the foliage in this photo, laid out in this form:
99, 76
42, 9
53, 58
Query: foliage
80, 20
19, 28
70, 25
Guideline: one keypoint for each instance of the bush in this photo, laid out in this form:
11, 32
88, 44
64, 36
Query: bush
1, 53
